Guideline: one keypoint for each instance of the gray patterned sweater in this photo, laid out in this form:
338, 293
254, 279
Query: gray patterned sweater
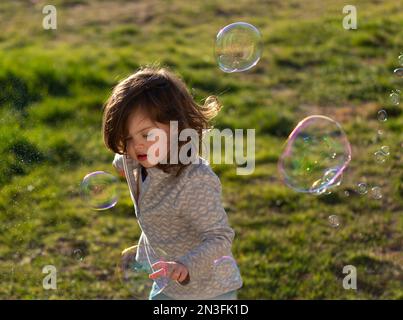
184, 217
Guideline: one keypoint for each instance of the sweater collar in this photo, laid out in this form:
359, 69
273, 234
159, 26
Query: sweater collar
157, 173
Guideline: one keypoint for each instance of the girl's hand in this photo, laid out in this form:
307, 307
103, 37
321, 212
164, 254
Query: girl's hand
171, 269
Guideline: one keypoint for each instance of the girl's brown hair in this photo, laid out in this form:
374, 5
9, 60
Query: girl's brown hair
164, 97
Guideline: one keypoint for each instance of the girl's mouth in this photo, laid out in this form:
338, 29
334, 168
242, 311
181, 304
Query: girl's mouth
142, 157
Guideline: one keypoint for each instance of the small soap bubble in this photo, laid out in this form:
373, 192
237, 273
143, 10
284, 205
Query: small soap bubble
362, 188
78, 254
385, 150
395, 97
376, 193
398, 72
380, 156
319, 186
382, 115
334, 221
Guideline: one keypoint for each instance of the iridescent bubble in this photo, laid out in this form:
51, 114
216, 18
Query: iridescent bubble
376, 193
238, 47
362, 188
137, 264
78, 254
385, 150
380, 157
395, 97
321, 191
382, 115
318, 186
226, 271
334, 221
327, 192
398, 72
315, 155
99, 190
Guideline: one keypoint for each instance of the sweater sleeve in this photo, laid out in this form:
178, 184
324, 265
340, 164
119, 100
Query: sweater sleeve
118, 161
201, 206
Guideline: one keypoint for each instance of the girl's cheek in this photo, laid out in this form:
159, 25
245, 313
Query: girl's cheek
131, 151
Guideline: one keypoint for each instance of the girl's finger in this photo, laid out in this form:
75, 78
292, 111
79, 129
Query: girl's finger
182, 276
159, 273
159, 265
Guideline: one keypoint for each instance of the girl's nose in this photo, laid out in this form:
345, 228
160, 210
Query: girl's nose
138, 147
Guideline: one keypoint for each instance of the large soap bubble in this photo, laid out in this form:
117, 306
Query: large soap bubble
137, 264
238, 47
315, 155
226, 271
99, 190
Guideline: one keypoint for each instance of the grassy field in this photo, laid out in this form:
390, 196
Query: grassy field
53, 84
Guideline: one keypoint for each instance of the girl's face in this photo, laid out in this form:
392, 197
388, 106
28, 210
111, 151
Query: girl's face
140, 128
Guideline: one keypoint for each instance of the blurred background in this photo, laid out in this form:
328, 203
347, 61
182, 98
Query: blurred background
53, 84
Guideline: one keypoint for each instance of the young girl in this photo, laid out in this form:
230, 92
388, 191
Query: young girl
178, 206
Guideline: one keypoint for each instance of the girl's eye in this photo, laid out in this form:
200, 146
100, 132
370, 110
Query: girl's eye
148, 136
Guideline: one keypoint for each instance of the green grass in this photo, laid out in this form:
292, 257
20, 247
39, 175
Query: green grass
53, 84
